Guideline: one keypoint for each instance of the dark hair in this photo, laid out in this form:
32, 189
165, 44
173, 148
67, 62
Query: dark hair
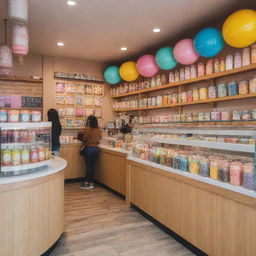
92, 121
53, 116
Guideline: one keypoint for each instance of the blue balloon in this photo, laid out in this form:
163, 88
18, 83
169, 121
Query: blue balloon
111, 75
208, 42
165, 59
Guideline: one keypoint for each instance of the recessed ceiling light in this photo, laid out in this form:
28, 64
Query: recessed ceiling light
60, 44
123, 48
71, 3
156, 30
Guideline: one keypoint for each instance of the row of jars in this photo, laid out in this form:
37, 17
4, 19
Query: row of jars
226, 169
224, 115
12, 156
240, 59
221, 90
24, 116
25, 136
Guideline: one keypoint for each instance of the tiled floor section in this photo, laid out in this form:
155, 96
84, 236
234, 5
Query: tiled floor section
97, 223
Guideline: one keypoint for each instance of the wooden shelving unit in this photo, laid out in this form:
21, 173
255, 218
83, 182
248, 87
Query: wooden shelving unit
80, 80
245, 96
190, 81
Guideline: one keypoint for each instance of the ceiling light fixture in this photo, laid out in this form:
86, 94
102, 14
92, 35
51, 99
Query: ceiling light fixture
60, 44
123, 48
156, 30
71, 3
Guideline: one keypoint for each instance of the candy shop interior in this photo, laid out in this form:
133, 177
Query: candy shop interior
175, 104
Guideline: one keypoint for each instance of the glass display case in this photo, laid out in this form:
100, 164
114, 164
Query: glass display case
25, 148
226, 155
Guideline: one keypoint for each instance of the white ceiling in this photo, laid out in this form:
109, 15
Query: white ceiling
96, 29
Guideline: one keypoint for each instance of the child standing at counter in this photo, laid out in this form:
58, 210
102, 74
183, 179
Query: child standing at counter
91, 140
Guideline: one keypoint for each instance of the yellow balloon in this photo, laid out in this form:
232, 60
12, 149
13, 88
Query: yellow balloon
239, 29
128, 71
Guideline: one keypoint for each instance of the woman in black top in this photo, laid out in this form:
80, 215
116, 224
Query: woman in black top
53, 117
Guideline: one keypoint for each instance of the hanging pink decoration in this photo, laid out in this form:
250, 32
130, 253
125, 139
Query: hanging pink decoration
184, 52
147, 66
5, 60
20, 41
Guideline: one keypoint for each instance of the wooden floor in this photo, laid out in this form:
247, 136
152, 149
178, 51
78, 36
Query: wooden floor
97, 223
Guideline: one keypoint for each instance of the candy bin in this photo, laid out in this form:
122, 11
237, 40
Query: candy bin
252, 85
214, 169
243, 87
193, 164
163, 157
183, 163
176, 161
236, 173
222, 90
195, 94
223, 170
203, 93
232, 88
204, 167
212, 92
189, 96
248, 176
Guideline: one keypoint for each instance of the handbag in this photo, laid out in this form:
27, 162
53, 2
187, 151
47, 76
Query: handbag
82, 149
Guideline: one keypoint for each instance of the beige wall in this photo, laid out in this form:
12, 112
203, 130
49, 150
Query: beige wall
45, 66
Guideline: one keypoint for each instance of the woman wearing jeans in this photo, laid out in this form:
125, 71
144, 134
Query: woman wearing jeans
91, 139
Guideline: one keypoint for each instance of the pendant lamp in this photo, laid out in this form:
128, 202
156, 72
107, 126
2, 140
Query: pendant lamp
18, 11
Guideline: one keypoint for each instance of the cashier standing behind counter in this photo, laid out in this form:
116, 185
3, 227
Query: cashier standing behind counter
91, 140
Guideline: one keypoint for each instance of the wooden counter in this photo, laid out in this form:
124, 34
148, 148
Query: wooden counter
111, 170
76, 165
218, 221
32, 211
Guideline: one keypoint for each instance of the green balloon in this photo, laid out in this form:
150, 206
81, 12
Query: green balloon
111, 75
165, 59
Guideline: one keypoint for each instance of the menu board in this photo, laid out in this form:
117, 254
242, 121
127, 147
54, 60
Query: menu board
31, 102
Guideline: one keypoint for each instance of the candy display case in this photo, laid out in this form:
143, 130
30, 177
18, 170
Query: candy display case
25, 148
221, 156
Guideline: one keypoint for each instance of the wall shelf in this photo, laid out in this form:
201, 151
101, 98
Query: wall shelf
80, 80
21, 79
236, 97
190, 81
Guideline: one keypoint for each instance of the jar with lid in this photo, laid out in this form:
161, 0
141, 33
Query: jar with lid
195, 94
225, 115
243, 87
175, 98
214, 169
165, 99
158, 80
246, 57
201, 116
236, 115
232, 88
236, 173
238, 60
252, 85
189, 117
13, 116
169, 99
253, 53
212, 92
16, 156
153, 82
154, 102
177, 76
222, 64
24, 116
149, 101
24, 155
187, 72
3, 116
193, 164
209, 67
224, 170
229, 62
6, 157
215, 116
195, 117
246, 115
184, 97
254, 114
222, 90
163, 79
171, 77
203, 93
33, 154
204, 167
182, 74
183, 117
36, 116
159, 100
193, 73
200, 69
207, 116
183, 163
189, 96
216, 65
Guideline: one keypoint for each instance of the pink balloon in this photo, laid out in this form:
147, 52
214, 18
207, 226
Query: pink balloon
184, 52
147, 66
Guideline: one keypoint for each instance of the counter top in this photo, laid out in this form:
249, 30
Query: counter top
119, 150
210, 181
57, 165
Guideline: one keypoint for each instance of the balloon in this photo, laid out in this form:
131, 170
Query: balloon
184, 52
147, 66
111, 75
208, 42
164, 58
128, 71
239, 29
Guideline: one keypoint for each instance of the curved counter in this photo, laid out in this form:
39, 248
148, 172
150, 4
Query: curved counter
32, 211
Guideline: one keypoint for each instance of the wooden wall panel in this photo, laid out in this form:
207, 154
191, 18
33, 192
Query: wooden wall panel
76, 165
